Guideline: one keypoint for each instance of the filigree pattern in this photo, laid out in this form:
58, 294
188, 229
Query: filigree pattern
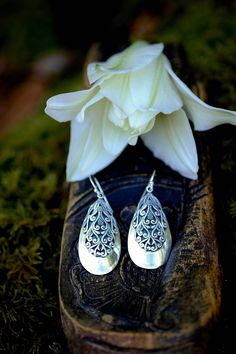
99, 229
150, 223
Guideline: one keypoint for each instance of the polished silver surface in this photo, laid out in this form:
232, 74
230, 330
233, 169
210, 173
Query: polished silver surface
99, 241
149, 239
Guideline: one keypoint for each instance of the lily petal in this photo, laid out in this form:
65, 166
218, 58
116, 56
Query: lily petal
172, 141
97, 97
136, 56
135, 133
65, 107
115, 139
87, 154
116, 89
117, 116
139, 119
152, 89
202, 115
95, 73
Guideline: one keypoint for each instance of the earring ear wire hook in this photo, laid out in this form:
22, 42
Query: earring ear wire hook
98, 189
150, 185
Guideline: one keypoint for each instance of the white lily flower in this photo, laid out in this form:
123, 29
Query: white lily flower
134, 93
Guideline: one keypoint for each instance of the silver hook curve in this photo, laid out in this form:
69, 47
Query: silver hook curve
98, 189
150, 185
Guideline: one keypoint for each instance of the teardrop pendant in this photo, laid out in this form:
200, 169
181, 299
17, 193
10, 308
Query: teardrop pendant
99, 241
149, 239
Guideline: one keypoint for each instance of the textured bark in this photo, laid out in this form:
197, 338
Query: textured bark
131, 310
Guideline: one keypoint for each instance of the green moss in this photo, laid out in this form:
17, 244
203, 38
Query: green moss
33, 197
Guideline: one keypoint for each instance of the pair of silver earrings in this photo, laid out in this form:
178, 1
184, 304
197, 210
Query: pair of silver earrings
149, 238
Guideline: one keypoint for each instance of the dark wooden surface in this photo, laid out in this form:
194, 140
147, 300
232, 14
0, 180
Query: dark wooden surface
132, 310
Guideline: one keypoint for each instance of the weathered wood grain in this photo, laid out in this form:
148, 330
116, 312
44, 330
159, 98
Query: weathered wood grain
131, 310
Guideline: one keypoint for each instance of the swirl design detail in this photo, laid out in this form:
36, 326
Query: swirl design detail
150, 223
99, 229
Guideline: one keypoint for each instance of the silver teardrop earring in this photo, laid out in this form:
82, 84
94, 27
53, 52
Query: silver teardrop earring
149, 239
99, 241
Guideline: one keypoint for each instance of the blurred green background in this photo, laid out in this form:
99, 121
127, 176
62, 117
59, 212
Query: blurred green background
43, 45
